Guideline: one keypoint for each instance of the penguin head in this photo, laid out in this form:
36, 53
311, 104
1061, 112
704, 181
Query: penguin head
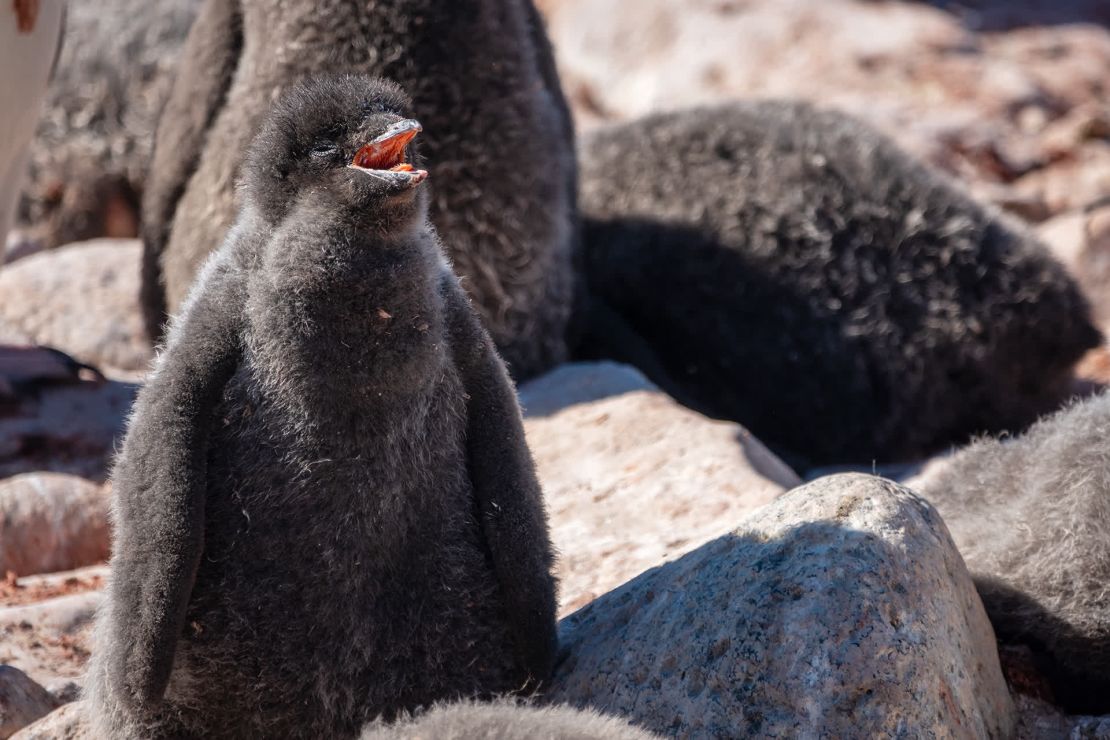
347, 140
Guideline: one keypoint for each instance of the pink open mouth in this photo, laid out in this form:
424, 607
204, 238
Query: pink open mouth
387, 152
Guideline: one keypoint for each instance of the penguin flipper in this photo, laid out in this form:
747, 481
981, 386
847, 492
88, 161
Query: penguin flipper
159, 485
508, 498
196, 98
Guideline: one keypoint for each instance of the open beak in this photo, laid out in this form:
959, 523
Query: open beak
386, 153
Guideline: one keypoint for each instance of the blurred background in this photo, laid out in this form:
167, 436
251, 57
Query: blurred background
1010, 96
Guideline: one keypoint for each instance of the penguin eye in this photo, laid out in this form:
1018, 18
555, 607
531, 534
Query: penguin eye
323, 149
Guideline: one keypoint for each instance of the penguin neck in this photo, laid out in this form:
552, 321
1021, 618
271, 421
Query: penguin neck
341, 320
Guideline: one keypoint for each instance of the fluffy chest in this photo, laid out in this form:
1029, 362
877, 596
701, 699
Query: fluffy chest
365, 463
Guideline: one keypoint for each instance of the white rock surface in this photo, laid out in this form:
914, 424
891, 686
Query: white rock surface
65, 723
49, 639
631, 478
82, 299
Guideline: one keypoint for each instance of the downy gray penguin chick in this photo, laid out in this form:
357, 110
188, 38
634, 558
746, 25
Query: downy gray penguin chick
506, 720
1031, 517
325, 509
499, 142
792, 269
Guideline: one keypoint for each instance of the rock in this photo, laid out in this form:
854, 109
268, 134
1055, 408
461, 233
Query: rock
64, 690
32, 589
1039, 720
1030, 516
1093, 372
22, 701
65, 723
1065, 237
1084, 236
505, 720
1077, 181
632, 479
62, 615
92, 146
842, 609
50, 639
70, 427
83, 300
24, 367
51, 522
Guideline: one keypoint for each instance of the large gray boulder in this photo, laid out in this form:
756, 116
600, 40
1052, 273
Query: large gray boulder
840, 610
631, 478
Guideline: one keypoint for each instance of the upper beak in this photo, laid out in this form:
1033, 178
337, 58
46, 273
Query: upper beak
388, 150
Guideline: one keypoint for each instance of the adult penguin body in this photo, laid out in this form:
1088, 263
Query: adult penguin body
483, 82
325, 508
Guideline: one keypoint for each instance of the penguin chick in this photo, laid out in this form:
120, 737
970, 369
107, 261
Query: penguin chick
505, 720
500, 144
792, 269
1030, 516
325, 509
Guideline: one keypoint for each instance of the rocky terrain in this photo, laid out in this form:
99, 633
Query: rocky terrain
703, 589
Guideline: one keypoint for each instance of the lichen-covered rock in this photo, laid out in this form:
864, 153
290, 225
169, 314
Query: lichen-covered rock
631, 478
51, 522
68, 722
505, 720
840, 610
22, 701
81, 299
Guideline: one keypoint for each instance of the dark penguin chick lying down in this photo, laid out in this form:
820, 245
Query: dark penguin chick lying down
794, 270
325, 509
1031, 517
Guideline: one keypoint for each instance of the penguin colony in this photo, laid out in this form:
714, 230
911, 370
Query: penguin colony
326, 511
325, 508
